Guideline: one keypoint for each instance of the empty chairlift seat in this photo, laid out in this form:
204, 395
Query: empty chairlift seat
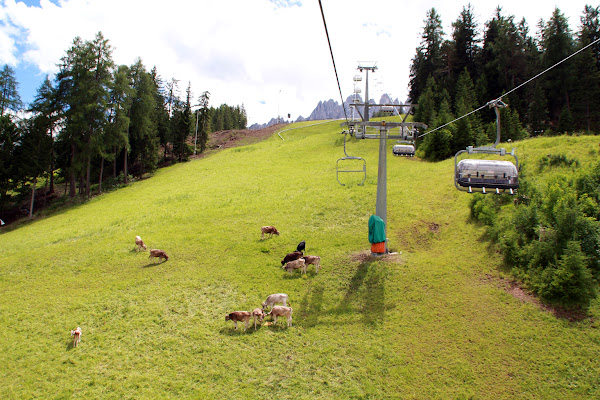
487, 174
403, 150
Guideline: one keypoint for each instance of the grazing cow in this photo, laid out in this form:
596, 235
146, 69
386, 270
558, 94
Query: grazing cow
140, 243
76, 333
273, 299
315, 260
241, 316
291, 257
281, 311
296, 264
301, 246
270, 230
155, 253
259, 314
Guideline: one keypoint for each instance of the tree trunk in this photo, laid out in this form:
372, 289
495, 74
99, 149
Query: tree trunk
32, 198
115, 163
125, 165
71, 172
101, 172
52, 170
87, 177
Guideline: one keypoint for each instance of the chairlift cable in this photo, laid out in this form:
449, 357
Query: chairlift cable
512, 90
333, 60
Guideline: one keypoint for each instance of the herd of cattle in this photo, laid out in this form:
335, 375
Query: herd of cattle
292, 261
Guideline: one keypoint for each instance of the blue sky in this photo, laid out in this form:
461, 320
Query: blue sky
270, 55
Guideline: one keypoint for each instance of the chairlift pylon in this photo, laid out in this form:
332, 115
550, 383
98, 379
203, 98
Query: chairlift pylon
348, 157
474, 175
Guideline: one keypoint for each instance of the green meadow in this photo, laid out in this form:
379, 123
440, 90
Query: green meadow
435, 321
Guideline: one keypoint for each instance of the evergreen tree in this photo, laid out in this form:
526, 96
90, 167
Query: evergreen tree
161, 113
32, 156
464, 45
586, 88
182, 127
9, 94
428, 60
116, 134
204, 120
557, 43
9, 137
45, 106
468, 129
143, 133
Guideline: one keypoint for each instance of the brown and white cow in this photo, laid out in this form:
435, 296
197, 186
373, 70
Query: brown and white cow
315, 260
155, 253
239, 316
281, 311
269, 230
296, 264
258, 314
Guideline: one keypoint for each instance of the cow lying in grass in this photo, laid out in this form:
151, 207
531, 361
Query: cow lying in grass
281, 311
296, 264
155, 253
273, 299
315, 260
239, 316
270, 230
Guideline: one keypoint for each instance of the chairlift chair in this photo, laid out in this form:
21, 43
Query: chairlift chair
481, 175
345, 160
407, 149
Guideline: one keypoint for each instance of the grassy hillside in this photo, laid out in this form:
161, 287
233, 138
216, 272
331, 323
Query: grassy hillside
434, 322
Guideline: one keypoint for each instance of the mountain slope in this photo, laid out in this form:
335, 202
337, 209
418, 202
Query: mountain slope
432, 322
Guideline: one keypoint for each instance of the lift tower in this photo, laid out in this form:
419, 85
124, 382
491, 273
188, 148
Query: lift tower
406, 131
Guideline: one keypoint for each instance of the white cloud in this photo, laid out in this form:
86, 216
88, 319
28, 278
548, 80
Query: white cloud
269, 55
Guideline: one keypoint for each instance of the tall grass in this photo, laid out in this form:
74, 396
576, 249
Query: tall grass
430, 323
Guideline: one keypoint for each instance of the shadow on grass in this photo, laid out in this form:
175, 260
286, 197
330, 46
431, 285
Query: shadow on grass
151, 264
366, 293
312, 306
231, 331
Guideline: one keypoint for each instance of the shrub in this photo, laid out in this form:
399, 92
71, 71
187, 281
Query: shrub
570, 281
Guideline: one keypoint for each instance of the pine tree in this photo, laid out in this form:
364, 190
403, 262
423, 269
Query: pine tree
9, 94
557, 44
204, 120
9, 137
428, 61
143, 133
45, 105
464, 45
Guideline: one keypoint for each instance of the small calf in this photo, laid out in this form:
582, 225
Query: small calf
76, 333
241, 316
140, 243
291, 257
315, 260
155, 253
270, 230
259, 314
281, 311
272, 299
296, 264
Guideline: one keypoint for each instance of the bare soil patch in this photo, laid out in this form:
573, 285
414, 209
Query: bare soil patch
519, 291
365, 256
221, 140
